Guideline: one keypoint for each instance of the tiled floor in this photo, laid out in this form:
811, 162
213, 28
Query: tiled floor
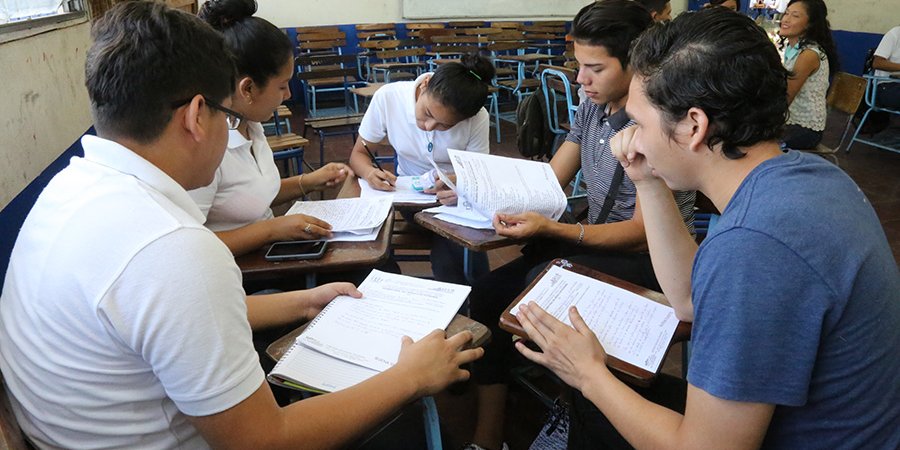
876, 171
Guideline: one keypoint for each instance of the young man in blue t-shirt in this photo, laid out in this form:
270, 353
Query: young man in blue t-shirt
795, 295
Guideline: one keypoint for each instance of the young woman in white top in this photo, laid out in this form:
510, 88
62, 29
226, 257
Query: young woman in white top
421, 119
810, 57
238, 202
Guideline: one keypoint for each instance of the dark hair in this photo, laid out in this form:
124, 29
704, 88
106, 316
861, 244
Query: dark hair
260, 49
722, 63
720, 2
145, 57
612, 24
462, 86
654, 6
818, 32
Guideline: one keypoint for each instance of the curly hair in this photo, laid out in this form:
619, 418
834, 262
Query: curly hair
722, 63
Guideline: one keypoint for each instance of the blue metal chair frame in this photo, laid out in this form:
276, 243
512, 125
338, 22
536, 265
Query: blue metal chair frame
871, 102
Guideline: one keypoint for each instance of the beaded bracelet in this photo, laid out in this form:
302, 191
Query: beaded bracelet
580, 234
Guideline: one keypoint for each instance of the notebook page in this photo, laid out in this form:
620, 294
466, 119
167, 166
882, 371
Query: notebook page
509, 185
346, 214
368, 331
317, 370
630, 327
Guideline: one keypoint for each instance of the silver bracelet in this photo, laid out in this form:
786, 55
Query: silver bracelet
580, 234
300, 182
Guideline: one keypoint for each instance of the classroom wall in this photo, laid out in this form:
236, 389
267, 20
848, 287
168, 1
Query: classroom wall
45, 103
290, 13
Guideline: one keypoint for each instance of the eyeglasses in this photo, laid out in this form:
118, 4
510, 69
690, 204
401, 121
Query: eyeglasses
232, 118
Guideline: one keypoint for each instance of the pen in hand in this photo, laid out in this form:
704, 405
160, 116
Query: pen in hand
374, 161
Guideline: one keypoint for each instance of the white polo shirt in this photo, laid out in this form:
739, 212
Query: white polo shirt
120, 312
889, 49
245, 184
392, 114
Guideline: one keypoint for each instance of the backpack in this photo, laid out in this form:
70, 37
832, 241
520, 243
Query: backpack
533, 135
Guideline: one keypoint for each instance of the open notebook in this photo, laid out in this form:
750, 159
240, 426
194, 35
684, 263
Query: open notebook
354, 339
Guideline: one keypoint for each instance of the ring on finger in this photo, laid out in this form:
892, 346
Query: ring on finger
308, 228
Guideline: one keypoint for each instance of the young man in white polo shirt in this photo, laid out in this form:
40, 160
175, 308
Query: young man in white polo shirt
122, 320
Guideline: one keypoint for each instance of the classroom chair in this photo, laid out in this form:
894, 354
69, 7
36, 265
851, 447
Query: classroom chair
366, 33
845, 95
872, 105
321, 43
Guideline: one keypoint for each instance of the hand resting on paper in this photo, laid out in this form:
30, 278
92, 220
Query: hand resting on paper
297, 227
445, 195
433, 363
315, 299
573, 354
521, 226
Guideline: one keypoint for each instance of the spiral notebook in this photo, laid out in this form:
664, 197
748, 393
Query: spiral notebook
353, 339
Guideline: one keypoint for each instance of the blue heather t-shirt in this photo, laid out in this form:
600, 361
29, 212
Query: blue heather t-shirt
797, 303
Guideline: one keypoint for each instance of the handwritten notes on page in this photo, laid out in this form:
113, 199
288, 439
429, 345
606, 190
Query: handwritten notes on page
351, 219
631, 328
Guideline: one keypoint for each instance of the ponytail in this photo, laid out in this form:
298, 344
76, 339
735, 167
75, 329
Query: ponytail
463, 86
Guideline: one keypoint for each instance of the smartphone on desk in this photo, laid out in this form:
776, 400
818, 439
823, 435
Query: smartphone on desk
293, 250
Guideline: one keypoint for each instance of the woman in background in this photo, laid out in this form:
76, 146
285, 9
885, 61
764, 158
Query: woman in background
810, 57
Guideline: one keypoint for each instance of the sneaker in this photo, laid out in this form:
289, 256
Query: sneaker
471, 446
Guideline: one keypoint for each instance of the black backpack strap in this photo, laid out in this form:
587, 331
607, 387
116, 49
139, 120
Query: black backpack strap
611, 194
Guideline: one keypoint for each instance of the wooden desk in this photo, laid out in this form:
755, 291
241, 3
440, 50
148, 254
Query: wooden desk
367, 91
480, 335
470, 239
339, 256
530, 57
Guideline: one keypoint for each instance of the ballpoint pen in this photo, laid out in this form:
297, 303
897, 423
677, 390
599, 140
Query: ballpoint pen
374, 161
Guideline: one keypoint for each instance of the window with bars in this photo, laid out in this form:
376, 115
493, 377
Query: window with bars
18, 15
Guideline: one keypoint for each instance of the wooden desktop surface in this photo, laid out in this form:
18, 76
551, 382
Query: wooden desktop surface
339, 256
481, 334
471, 238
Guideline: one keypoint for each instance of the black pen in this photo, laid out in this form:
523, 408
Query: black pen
374, 161
371, 155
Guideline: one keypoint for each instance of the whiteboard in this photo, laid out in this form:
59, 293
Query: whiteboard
491, 9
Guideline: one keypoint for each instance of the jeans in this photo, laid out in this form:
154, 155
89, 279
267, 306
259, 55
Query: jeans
796, 137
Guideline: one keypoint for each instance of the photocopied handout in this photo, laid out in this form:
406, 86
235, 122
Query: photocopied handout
347, 214
491, 184
367, 331
403, 192
631, 328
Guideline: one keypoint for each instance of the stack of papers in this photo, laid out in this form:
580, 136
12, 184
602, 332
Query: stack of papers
351, 219
403, 192
490, 184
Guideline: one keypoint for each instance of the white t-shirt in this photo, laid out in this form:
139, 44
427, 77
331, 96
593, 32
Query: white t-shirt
392, 114
120, 312
781, 6
245, 183
889, 49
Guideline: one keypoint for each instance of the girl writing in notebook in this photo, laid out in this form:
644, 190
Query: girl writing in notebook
238, 202
421, 119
